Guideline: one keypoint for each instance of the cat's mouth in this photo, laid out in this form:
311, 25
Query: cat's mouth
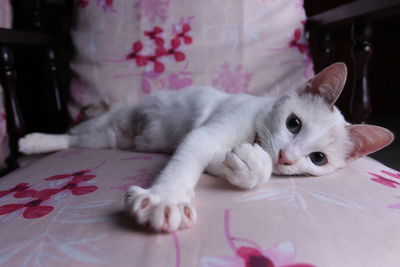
257, 140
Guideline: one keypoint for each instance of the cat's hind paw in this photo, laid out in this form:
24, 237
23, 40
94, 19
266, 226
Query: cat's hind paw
35, 143
160, 213
247, 166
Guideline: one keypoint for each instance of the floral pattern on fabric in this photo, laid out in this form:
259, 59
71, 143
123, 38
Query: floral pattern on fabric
153, 10
250, 254
389, 179
234, 228
288, 192
378, 178
40, 202
234, 80
53, 248
167, 45
300, 44
160, 50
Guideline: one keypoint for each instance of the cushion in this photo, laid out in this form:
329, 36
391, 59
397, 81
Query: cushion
126, 50
67, 209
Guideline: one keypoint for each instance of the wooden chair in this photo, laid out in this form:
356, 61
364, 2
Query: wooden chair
34, 70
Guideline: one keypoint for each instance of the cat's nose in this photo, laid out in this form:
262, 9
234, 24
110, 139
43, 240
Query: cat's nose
282, 159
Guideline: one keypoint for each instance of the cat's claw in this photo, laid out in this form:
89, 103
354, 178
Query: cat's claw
164, 214
247, 166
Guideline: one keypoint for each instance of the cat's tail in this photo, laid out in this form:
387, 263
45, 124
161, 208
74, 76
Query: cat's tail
36, 143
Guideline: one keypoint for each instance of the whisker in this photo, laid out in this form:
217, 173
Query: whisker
266, 137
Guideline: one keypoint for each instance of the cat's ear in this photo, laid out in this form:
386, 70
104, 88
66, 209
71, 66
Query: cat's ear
328, 83
367, 139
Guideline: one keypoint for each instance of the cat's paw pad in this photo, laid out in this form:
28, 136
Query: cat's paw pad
169, 217
160, 213
247, 166
140, 203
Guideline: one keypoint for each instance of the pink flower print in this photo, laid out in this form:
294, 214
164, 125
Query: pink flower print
394, 206
156, 52
175, 44
154, 35
300, 44
158, 66
136, 48
385, 181
152, 9
173, 51
295, 42
184, 34
72, 185
33, 209
106, 5
232, 81
180, 26
392, 174
176, 83
146, 78
252, 255
21, 191
78, 190
81, 173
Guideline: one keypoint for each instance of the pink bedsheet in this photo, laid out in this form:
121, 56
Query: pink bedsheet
67, 210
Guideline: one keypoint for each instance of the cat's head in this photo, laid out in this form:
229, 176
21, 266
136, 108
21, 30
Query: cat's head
306, 134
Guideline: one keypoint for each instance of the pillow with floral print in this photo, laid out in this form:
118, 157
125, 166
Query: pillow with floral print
126, 50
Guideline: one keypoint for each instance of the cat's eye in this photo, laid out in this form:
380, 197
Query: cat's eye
293, 124
318, 158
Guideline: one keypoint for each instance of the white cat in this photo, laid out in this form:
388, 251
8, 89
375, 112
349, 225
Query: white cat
242, 138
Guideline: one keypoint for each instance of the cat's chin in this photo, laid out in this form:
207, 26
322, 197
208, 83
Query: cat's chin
285, 171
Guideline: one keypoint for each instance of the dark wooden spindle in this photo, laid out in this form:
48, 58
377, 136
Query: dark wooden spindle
15, 124
360, 105
55, 95
57, 108
37, 14
326, 47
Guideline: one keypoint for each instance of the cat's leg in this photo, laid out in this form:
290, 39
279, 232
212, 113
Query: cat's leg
168, 204
36, 143
245, 166
102, 121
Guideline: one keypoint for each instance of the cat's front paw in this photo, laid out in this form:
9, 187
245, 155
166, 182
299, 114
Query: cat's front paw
162, 213
247, 166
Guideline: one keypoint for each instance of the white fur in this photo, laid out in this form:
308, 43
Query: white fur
208, 129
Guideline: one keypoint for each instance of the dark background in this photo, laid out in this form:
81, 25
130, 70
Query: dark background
384, 69
384, 72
